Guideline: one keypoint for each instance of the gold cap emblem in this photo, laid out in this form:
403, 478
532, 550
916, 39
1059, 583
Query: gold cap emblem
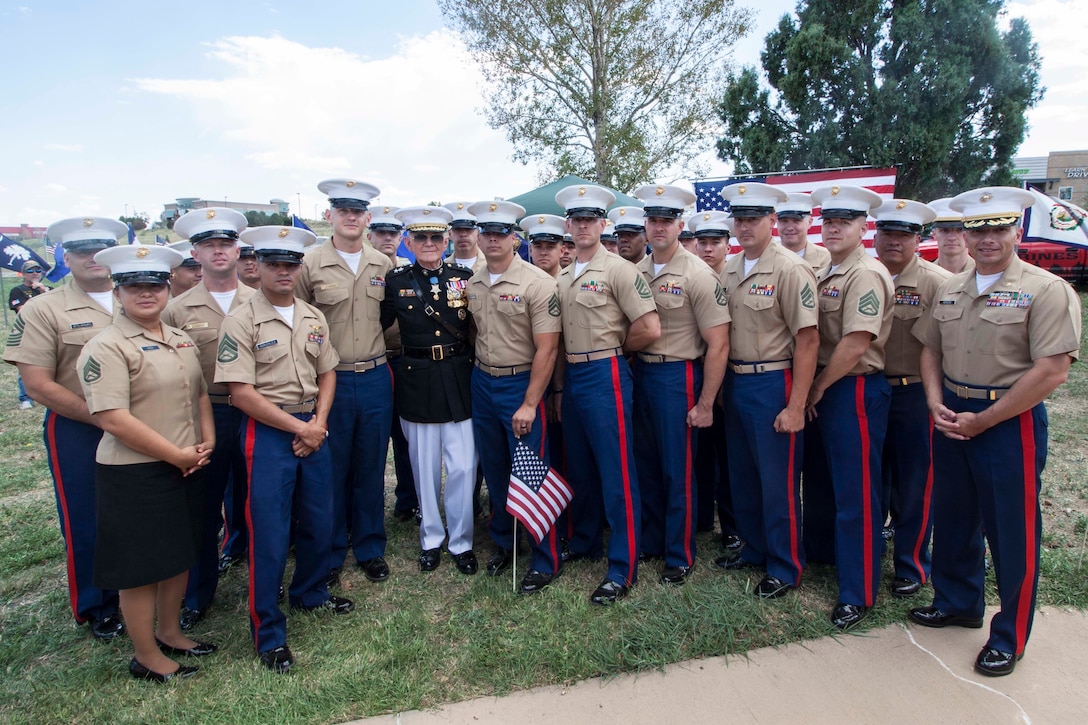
659, 190
986, 197
88, 222
284, 232
460, 206
210, 214
492, 207
386, 209
351, 184
142, 252
901, 205
581, 191
540, 220
834, 191
742, 189
706, 217
623, 212
426, 212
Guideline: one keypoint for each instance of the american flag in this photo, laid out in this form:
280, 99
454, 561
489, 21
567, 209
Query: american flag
537, 493
882, 181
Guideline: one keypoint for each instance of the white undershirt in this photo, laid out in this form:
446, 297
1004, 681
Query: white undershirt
470, 262
985, 281
287, 313
749, 265
103, 298
352, 259
494, 277
802, 252
224, 299
658, 268
832, 270
578, 268
895, 277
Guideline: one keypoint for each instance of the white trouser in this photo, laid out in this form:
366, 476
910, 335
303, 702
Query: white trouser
428, 444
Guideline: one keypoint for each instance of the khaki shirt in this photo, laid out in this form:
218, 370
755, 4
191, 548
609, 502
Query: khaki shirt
915, 288
523, 302
769, 306
392, 333
480, 263
352, 304
600, 305
990, 340
156, 379
51, 330
257, 347
817, 258
689, 298
196, 313
856, 297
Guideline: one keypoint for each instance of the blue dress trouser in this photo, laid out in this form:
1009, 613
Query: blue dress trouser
227, 464
853, 419
284, 486
990, 483
494, 402
71, 447
359, 423
908, 480
596, 413
665, 450
765, 472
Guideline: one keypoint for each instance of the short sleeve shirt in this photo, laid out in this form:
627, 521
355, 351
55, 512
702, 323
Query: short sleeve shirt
817, 258
350, 302
689, 298
157, 379
602, 302
915, 288
769, 306
258, 347
196, 313
523, 302
991, 339
51, 330
856, 297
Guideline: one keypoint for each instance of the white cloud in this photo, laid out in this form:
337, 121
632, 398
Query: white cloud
39, 163
64, 147
57, 188
406, 123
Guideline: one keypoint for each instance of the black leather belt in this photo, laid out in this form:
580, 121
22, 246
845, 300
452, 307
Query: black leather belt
435, 352
219, 399
902, 380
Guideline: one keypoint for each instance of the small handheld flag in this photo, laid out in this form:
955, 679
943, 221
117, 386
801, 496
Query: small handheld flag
537, 494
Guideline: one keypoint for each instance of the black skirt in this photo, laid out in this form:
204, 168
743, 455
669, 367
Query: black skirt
149, 520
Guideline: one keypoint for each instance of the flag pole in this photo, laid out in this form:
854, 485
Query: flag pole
514, 554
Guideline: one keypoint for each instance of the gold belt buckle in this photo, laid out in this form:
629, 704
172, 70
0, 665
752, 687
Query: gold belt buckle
437, 353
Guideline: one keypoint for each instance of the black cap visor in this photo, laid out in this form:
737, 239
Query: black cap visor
89, 245
213, 234
141, 277
359, 204
841, 213
583, 212
279, 255
749, 212
896, 225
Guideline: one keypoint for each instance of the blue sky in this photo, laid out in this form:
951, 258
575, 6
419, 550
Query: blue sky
112, 107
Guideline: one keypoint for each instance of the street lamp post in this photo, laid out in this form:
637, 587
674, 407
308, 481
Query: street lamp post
298, 196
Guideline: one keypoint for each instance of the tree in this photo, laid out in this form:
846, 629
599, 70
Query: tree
932, 87
616, 91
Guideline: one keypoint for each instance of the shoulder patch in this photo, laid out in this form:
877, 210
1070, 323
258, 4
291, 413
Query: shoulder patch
228, 350
553, 305
642, 288
869, 304
719, 295
15, 337
92, 371
808, 297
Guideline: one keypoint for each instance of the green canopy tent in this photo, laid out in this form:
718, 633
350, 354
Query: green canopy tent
542, 200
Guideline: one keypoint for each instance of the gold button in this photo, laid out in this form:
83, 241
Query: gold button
438, 333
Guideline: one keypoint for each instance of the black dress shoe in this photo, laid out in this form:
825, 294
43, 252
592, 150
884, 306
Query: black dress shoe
771, 587
848, 616
466, 562
336, 605
228, 560
534, 582
107, 628
995, 663
281, 594
189, 618
429, 559
376, 570
608, 592
733, 562
646, 556
198, 650
334, 578
887, 533
406, 515
278, 660
498, 562
675, 575
933, 617
142, 673
902, 587
732, 543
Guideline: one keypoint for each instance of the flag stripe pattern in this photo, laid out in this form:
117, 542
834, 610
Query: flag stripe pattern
537, 494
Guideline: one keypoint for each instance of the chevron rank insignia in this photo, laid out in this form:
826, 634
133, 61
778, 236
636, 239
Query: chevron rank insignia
642, 288
869, 304
808, 299
228, 350
92, 371
553, 305
15, 337
719, 296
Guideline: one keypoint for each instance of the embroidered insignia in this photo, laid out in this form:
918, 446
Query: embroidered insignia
808, 299
1017, 300
316, 334
377, 281
869, 304
906, 297
720, 296
92, 371
829, 292
228, 350
642, 288
267, 343
149, 348
765, 290
553, 305
15, 337
671, 288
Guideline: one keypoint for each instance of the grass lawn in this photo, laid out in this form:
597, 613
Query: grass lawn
421, 640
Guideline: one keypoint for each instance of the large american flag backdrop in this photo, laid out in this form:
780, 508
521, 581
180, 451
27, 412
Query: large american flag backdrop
882, 181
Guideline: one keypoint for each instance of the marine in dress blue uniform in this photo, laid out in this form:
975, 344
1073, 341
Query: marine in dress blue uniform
275, 354
45, 341
607, 309
998, 340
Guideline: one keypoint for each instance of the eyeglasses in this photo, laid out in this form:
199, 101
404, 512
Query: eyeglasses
421, 238
37, 270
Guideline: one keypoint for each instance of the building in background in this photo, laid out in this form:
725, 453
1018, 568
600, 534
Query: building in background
184, 204
1062, 174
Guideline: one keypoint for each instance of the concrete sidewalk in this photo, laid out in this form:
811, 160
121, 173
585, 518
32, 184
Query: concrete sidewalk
900, 674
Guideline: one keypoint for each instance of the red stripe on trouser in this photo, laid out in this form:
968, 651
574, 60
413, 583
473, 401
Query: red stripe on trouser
625, 468
927, 497
58, 480
866, 490
791, 490
689, 495
248, 446
1027, 585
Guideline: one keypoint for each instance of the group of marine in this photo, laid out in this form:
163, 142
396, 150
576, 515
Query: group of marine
666, 379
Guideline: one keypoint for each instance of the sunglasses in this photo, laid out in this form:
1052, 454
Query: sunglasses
421, 238
33, 269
